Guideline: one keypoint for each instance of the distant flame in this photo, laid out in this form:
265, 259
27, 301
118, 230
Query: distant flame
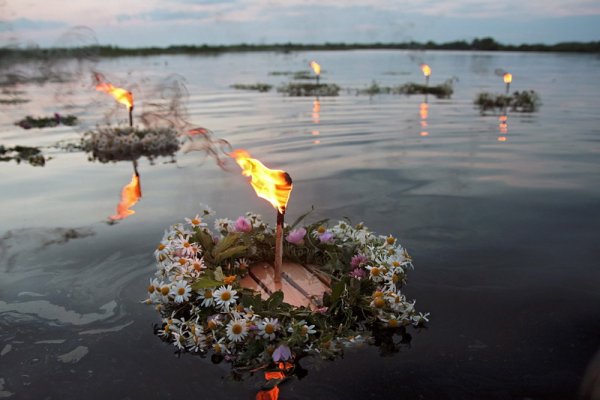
507, 78
426, 69
122, 96
274, 186
316, 67
130, 195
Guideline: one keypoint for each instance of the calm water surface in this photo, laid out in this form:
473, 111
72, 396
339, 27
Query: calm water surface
503, 227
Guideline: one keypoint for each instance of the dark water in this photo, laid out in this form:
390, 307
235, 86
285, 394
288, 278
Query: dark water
503, 232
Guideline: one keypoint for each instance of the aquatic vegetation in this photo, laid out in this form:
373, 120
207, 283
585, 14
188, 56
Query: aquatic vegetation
442, 91
44, 122
261, 87
14, 101
309, 89
206, 307
31, 155
125, 143
526, 101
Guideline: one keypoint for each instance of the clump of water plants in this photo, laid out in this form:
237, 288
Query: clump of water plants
31, 155
442, 91
295, 89
128, 144
525, 101
47, 122
261, 87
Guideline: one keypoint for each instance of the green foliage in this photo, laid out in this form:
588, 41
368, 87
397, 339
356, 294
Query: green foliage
309, 89
44, 122
261, 87
31, 155
442, 91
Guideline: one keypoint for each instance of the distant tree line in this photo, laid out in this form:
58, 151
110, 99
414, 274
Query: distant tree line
483, 44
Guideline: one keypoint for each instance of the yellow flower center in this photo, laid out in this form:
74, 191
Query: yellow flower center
375, 271
181, 291
379, 302
151, 289
390, 240
164, 290
304, 330
195, 221
236, 329
395, 278
197, 266
207, 294
225, 296
186, 244
395, 263
321, 229
182, 261
393, 323
378, 294
217, 348
269, 329
211, 324
161, 247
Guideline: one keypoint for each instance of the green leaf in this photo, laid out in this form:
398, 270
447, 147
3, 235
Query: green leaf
229, 253
205, 240
300, 218
336, 290
225, 243
275, 300
205, 283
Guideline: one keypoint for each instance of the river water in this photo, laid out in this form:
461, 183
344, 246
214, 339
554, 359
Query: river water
502, 225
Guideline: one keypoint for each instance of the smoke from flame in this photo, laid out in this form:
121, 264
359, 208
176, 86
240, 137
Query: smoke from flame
274, 186
130, 195
426, 69
507, 78
316, 67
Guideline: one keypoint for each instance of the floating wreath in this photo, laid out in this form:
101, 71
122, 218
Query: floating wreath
128, 144
205, 309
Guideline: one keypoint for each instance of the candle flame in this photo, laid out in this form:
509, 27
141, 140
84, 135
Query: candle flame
316, 67
426, 69
274, 186
507, 78
121, 95
130, 195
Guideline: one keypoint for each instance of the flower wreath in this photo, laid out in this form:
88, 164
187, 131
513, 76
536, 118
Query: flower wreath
205, 310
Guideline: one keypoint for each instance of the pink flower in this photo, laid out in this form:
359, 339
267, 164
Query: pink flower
358, 273
326, 237
296, 236
358, 260
282, 353
242, 225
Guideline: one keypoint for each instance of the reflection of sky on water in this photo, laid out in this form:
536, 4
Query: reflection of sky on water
496, 229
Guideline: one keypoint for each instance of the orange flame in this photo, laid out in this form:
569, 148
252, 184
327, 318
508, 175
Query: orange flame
274, 186
130, 195
507, 78
426, 69
502, 138
122, 96
316, 67
273, 393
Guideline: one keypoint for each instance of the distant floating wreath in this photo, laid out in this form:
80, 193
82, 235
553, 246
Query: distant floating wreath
201, 291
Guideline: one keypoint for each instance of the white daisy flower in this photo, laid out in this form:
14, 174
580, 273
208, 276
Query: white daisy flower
225, 297
375, 273
237, 330
184, 246
206, 210
306, 330
224, 224
195, 222
181, 291
268, 327
197, 265
207, 298
242, 264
